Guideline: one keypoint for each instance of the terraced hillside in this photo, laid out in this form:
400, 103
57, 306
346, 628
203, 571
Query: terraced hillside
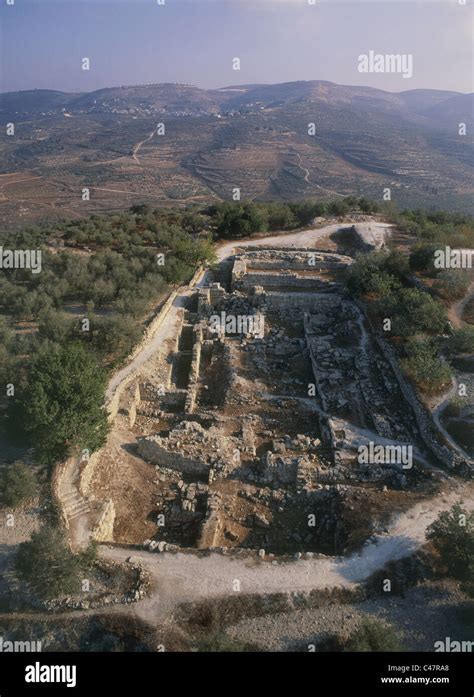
251, 137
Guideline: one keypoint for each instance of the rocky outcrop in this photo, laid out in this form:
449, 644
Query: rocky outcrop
104, 528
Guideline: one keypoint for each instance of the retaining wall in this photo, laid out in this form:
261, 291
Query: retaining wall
151, 451
113, 404
448, 454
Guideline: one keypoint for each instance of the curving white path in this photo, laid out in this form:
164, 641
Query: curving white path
186, 577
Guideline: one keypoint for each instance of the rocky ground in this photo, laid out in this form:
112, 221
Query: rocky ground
427, 613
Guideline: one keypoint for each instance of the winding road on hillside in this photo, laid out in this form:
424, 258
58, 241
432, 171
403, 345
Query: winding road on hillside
306, 173
142, 142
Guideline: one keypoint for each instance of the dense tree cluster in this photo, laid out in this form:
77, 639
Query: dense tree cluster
235, 220
108, 269
417, 318
435, 231
439, 227
101, 261
100, 278
380, 276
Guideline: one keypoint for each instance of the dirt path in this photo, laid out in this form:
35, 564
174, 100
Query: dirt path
113, 191
184, 577
142, 142
14, 181
301, 238
187, 577
306, 173
162, 333
303, 169
456, 311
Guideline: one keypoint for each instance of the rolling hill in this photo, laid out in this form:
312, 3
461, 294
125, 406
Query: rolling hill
254, 137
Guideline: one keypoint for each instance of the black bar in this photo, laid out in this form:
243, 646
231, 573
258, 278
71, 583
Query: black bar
141, 674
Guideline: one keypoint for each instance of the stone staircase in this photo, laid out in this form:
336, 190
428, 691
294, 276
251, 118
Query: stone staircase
74, 504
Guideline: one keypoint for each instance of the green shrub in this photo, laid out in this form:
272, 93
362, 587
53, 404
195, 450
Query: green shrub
452, 535
417, 311
424, 368
452, 284
367, 275
422, 258
47, 564
17, 484
373, 635
462, 341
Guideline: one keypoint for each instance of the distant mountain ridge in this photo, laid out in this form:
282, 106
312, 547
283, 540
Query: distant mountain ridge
175, 98
289, 141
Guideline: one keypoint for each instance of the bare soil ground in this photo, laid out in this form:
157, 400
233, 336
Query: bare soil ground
129, 481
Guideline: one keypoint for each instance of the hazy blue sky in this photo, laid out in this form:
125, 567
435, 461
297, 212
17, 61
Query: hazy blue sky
194, 41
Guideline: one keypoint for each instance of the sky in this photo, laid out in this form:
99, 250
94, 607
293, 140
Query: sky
130, 42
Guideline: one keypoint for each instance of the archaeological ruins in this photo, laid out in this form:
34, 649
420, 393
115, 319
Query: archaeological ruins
245, 439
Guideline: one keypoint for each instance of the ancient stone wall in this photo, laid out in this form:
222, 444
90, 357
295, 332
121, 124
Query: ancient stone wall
298, 303
86, 472
211, 525
254, 268
311, 263
113, 404
425, 423
285, 280
151, 450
